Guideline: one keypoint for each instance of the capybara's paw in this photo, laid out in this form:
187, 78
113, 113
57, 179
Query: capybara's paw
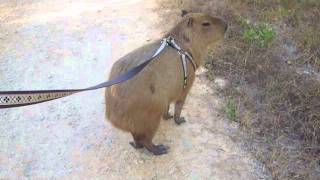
159, 149
167, 116
180, 120
136, 146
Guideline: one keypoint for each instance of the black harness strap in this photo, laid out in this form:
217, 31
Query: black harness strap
184, 56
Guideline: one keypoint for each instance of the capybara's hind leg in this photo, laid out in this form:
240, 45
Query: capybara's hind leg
155, 149
141, 141
137, 143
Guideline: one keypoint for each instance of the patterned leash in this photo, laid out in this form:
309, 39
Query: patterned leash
11, 99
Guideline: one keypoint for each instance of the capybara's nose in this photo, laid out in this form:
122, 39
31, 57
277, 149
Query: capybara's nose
222, 23
223, 26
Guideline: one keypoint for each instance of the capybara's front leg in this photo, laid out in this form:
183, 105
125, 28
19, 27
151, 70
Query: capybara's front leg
167, 115
177, 112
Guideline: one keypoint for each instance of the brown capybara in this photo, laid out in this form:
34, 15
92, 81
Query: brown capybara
137, 105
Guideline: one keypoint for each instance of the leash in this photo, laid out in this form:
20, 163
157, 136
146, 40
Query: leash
11, 99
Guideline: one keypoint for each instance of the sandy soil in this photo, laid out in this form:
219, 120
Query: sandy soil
53, 44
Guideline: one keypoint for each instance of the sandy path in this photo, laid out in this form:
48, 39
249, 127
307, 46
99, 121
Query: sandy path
70, 44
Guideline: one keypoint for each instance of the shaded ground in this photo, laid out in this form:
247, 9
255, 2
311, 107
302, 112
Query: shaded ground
58, 44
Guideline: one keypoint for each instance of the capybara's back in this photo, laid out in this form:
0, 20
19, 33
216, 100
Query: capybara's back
137, 105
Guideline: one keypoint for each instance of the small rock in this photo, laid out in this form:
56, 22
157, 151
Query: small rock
194, 175
172, 171
186, 143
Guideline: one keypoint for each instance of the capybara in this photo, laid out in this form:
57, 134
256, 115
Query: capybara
138, 105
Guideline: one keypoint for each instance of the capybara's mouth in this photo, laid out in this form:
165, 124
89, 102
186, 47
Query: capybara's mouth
224, 25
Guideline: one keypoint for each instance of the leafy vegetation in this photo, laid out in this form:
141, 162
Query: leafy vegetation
261, 34
231, 109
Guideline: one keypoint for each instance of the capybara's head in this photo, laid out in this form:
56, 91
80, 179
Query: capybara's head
200, 29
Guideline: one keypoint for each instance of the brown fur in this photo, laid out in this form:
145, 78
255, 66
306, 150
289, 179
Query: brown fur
137, 105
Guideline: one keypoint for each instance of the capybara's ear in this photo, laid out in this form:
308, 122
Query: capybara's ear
184, 12
190, 22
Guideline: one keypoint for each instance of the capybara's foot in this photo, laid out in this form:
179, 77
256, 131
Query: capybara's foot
180, 120
136, 145
158, 149
167, 116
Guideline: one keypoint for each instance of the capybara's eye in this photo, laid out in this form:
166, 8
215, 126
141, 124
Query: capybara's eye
205, 24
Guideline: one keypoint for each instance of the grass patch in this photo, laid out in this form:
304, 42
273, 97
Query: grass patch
231, 109
261, 34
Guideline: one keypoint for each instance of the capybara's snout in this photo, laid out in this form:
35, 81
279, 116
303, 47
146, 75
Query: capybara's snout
222, 24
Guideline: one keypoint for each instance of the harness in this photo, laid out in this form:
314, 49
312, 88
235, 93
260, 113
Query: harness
11, 99
184, 56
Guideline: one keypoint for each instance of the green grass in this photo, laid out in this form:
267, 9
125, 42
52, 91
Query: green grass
231, 109
260, 34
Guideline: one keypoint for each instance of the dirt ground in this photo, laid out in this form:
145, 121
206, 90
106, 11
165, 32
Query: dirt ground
53, 44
